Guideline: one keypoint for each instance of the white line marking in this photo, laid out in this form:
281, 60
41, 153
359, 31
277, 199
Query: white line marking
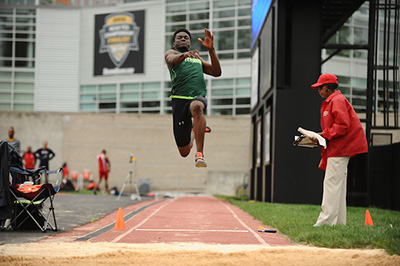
262, 241
145, 220
193, 230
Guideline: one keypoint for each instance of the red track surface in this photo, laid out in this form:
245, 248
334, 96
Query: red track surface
191, 219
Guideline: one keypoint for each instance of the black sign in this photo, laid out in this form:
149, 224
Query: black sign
119, 43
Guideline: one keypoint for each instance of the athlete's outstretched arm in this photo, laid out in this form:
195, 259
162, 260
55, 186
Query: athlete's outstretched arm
174, 58
213, 69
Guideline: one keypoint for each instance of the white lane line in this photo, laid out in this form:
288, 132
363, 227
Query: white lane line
245, 225
193, 230
145, 220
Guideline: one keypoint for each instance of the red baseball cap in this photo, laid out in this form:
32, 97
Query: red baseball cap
325, 79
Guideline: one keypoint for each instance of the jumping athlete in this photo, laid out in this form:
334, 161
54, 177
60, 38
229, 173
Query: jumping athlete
188, 90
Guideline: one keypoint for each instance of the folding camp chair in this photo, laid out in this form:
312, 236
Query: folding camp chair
29, 202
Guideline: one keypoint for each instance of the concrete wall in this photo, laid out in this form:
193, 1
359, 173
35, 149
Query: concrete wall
78, 138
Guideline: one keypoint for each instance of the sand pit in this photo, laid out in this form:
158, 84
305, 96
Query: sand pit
86, 253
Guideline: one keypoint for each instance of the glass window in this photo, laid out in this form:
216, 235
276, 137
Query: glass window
5, 63
222, 92
199, 16
244, 37
107, 105
244, 12
360, 54
243, 55
196, 45
26, 11
5, 86
108, 88
129, 104
24, 87
24, 36
25, 20
359, 101
6, 34
150, 95
151, 104
5, 48
359, 82
130, 96
176, 8
5, 75
24, 63
5, 106
343, 80
88, 106
23, 107
224, 40
25, 49
173, 28
226, 56
5, 96
243, 81
345, 90
130, 87
199, 6
23, 97
6, 11
360, 92
243, 91
360, 36
88, 98
244, 2
176, 18
222, 101
243, 101
91, 88
242, 111
222, 82
152, 85
24, 75
25, 27
107, 96
175, 1
224, 3
221, 111
198, 26
244, 22
224, 13
223, 24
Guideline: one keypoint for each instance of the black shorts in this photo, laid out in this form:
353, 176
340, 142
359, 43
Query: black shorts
182, 119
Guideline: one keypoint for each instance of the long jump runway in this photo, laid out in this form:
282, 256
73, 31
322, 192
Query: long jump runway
187, 219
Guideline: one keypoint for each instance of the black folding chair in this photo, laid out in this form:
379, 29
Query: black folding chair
31, 203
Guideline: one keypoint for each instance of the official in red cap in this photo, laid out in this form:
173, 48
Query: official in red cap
345, 137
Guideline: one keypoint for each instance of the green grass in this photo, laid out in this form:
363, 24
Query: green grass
296, 222
83, 191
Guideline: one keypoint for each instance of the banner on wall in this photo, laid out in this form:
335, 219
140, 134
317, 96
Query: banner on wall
119, 43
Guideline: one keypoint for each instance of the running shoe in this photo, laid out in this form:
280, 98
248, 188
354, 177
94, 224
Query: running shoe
200, 162
208, 130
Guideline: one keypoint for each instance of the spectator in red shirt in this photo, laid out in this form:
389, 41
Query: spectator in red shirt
104, 169
342, 128
29, 159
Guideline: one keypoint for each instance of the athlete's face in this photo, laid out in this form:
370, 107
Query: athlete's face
182, 42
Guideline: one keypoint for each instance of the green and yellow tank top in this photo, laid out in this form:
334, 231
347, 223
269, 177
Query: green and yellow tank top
188, 79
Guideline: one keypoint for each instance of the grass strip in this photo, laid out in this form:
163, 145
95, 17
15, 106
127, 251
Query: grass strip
296, 222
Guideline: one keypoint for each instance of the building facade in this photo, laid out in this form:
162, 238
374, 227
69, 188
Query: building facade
64, 57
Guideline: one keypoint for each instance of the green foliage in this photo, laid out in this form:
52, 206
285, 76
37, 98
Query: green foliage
296, 222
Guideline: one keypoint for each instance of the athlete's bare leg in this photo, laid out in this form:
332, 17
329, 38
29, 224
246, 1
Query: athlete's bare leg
199, 123
185, 151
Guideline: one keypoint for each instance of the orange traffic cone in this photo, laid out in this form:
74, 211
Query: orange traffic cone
120, 224
368, 219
